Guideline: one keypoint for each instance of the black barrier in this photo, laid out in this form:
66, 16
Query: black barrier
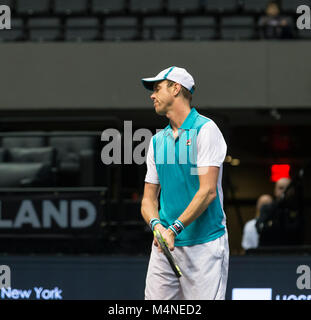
123, 278
49, 211
53, 220
127, 310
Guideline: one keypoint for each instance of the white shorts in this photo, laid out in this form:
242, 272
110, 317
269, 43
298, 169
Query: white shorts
204, 268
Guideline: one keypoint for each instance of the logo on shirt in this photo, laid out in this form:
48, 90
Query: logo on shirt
188, 142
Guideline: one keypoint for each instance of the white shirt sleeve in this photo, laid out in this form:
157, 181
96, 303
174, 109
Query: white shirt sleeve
152, 174
212, 148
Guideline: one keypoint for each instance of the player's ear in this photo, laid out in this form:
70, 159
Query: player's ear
177, 89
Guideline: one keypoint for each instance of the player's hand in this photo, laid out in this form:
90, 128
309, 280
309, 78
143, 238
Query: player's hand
162, 230
168, 236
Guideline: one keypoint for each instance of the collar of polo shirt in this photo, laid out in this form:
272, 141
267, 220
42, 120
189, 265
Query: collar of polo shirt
187, 124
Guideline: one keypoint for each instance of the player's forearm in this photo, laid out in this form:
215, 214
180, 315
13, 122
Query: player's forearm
197, 206
149, 209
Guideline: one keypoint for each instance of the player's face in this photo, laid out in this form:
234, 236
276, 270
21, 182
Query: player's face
162, 97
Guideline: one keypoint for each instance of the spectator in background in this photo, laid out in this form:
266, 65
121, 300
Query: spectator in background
273, 25
280, 187
280, 223
250, 237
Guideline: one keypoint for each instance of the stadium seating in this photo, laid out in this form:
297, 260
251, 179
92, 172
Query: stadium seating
120, 28
16, 175
145, 20
304, 34
82, 28
198, 28
31, 7
290, 6
255, 6
29, 155
145, 6
181, 6
16, 33
68, 7
23, 140
107, 6
75, 157
237, 28
220, 5
159, 28
44, 29
65, 158
3, 153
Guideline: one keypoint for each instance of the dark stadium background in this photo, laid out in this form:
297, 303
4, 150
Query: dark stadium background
72, 69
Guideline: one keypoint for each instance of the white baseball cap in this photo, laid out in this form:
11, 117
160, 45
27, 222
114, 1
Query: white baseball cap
176, 74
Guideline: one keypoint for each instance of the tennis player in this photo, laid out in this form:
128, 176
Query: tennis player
184, 166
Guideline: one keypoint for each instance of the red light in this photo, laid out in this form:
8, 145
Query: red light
279, 171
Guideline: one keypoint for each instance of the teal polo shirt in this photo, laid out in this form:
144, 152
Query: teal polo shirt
176, 163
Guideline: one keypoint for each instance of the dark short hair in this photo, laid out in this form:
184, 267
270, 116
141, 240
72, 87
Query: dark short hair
185, 92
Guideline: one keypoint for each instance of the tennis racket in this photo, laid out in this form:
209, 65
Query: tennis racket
167, 253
